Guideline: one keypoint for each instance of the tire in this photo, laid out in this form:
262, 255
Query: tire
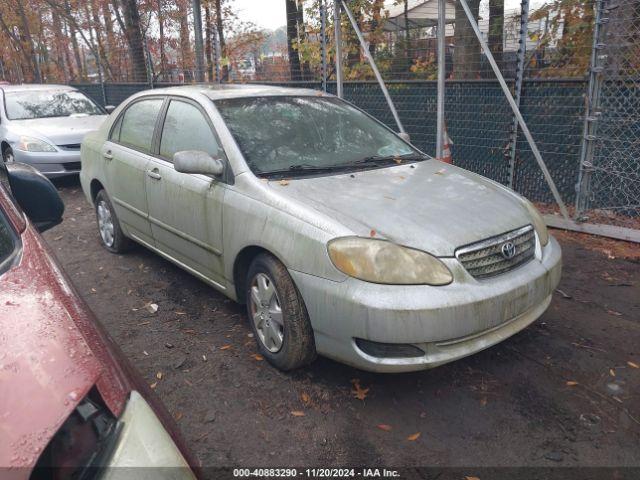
7, 155
111, 235
288, 343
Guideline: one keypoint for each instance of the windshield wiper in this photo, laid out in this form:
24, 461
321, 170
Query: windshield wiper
306, 168
383, 159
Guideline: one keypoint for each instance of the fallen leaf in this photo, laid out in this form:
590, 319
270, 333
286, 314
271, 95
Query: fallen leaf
612, 372
159, 375
297, 413
154, 385
471, 478
204, 358
93, 290
284, 183
613, 312
483, 401
359, 392
633, 365
257, 356
151, 307
146, 354
178, 416
385, 427
414, 437
571, 383
304, 396
181, 313
397, 160
225, 347
441, 171
372, 233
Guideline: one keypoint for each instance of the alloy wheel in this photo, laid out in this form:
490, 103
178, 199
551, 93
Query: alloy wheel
266, 312
105, 224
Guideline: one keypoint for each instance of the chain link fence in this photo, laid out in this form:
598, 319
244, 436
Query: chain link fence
573, 67
610, 168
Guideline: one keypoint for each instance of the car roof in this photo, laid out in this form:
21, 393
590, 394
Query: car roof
34, 87
219, 92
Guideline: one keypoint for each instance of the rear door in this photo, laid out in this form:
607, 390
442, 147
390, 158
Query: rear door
126, 156
185, 210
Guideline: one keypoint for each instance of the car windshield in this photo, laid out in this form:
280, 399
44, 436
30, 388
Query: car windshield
281, 134
29, 104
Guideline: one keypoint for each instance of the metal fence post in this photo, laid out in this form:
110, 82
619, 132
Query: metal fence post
216, 55
592, 105
338, 41
442, 12
323, 40
522, 50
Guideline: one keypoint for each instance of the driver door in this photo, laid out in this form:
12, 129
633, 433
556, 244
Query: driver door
185, 210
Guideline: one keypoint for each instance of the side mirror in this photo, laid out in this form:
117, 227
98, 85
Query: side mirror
195, 161
36, 195
110, 108
405, 136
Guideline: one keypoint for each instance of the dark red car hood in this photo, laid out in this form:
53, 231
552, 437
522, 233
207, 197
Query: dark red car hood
51, 354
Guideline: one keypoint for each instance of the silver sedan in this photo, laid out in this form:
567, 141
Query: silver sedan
341, 238
43, 126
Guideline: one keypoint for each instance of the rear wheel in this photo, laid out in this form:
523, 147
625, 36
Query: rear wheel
278, 315
108, 225
7, 155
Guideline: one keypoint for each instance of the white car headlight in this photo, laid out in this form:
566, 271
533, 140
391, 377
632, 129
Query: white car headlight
538, 222
380, 261
31, 144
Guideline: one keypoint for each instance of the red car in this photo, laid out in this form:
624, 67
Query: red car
70, 404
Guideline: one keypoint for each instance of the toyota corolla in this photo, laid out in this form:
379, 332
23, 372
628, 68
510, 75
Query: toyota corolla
341, 238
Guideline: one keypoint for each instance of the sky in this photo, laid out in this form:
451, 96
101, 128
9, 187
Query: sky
271, 14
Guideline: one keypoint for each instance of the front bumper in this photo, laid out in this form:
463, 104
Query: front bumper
144, 442
447, 322
51, 164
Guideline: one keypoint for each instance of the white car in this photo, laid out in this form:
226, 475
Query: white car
341, 238
43, 126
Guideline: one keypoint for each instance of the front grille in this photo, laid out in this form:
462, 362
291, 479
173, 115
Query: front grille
70, 146
71, 166
486, 259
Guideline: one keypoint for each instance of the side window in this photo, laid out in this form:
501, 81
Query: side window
185, 128
138, 123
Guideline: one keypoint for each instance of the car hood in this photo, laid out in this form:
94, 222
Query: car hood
49, 358
428, 205
59, 130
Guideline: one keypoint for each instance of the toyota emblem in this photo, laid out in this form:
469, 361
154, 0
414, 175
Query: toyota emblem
508, 250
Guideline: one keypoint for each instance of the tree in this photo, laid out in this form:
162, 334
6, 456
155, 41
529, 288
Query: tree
466, 55
292, 39
130, 24
496, 29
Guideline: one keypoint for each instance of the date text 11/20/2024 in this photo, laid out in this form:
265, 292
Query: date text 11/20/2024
316, 472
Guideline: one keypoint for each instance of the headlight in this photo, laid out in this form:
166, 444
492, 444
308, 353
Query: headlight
30, 144
538, 222
379, 261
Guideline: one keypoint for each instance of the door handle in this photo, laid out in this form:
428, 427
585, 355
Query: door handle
108, 155
154, 174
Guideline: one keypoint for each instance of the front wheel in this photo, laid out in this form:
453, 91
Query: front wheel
278, 315
108, 225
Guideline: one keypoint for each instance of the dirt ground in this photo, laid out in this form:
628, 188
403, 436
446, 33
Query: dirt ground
565, 391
